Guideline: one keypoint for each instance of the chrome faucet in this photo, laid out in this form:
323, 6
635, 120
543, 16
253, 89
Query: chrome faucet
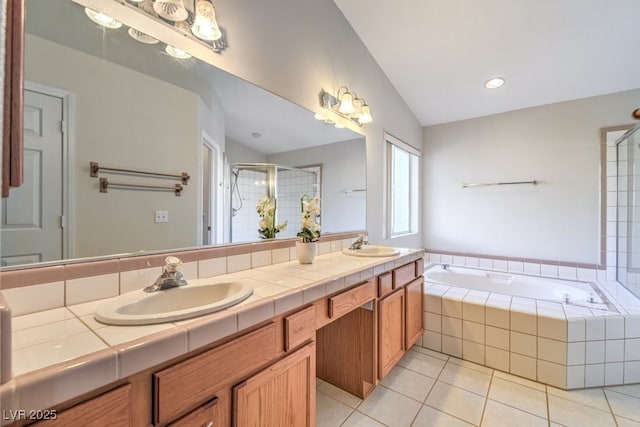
170, 277
445, 266
358, 243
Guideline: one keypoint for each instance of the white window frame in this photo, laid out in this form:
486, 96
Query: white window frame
414, 185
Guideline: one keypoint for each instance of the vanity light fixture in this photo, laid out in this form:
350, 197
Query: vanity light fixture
205, 25
176, 52
173, 10
494, 83
102, 19
347, 105
141, 37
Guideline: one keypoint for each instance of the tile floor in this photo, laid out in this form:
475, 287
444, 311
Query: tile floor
432, 389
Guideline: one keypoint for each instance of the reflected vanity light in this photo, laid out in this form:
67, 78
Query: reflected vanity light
345, 104
176, 52
141, 37
173, 10
197, 20
102, 19
205, 25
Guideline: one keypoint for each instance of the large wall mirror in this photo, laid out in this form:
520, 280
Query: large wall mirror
94, 94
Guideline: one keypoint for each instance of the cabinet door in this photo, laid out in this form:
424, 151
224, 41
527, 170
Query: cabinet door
413, 312
203, 416
390, 331
283, 394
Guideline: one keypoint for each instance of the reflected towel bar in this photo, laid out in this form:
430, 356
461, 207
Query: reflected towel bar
485, 184
351, 190
105, 184
95, 168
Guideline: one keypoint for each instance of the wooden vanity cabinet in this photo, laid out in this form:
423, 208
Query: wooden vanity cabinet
400, 315
112, 408
391, 342
281, 395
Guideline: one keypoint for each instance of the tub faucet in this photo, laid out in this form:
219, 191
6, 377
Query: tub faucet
358, 243
170, 277
445, 266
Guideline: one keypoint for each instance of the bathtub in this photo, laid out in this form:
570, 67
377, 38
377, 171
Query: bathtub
517, 285
533, 327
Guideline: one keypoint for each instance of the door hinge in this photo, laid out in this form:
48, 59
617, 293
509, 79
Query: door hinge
62, 126
62, 221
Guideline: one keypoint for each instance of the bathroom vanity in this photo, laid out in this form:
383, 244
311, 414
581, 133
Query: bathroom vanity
348, 328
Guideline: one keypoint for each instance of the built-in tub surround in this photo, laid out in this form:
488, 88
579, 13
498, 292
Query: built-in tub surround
565, 345
61, 352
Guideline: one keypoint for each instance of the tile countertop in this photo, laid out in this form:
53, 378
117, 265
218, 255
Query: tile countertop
62, 353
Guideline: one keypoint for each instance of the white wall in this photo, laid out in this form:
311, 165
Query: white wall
558, 145
295, 48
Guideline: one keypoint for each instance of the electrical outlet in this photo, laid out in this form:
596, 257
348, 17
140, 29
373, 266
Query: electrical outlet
162, 216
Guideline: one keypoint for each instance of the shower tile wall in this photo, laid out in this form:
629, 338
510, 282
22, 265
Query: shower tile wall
291, 185
252, 186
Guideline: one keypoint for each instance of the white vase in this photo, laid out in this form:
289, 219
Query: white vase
305, 252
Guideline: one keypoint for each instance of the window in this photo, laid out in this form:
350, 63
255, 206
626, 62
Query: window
402, 187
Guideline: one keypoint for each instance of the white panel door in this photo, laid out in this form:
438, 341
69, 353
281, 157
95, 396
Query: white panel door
31, 229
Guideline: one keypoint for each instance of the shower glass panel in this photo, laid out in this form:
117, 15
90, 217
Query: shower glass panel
250, 182
628, 210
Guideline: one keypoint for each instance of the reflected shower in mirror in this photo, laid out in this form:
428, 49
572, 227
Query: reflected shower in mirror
98, 95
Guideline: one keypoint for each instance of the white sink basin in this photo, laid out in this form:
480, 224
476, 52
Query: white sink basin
195, 299
372, 250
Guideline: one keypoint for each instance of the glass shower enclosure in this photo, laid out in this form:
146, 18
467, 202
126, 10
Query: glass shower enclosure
250, 182
628, 210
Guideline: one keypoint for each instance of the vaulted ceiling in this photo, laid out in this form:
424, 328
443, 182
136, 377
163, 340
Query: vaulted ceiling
439, 53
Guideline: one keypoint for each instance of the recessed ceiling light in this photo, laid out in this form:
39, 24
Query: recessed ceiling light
494, 83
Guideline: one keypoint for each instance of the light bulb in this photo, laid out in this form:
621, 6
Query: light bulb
346, 103
102, 19
177, 53
494, 83
205, 25
366, 115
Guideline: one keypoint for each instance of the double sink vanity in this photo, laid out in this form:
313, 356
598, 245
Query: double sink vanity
252, 360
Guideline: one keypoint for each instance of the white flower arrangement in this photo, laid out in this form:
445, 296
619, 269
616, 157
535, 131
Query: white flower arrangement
266, 208
309, 227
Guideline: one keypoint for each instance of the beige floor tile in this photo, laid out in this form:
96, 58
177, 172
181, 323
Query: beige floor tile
471, 365
422, 363
519, 380
358, 419
573, 414
457, 402
330, 412
631, 389
593, 397
497, 414
465, 378
519, 396
389, 407
624, 422
409, 383
340, 395
430, 417
624, 405
430, 352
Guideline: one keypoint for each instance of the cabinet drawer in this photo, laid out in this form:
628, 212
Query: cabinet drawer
204, 416
385, 284
299, 327
188, 384
112, 408
350, 300
403, 275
